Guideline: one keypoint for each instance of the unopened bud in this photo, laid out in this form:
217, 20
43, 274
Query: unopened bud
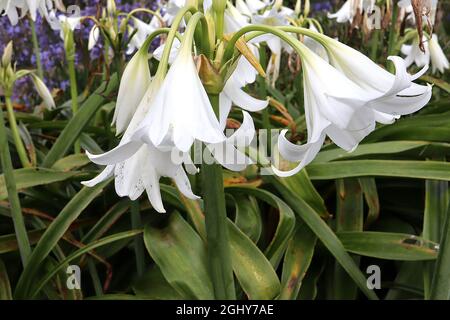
111, 7
7, 54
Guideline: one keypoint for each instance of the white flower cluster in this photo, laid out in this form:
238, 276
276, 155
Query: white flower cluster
345, 94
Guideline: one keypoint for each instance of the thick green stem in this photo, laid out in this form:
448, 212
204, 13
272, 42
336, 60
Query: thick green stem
36, 49
218, 243
13, 197
392, 36
21, 151
73, 94
136, 223
434, 216
440, 287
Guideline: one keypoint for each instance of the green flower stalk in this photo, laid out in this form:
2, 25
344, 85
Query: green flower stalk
36, 49
69, 47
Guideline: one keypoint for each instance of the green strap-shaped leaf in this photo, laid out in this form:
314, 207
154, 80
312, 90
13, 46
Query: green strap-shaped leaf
286, 223
297, 260
254, 272
71, 162
349, 217
153, 286
386, 245
76, 125
252, 269
387, 147
326, 235
180, 254
8, 243
440, 286
301, 184
5, 286
384, 168
248, 216
369, 189
53, 234
31, 177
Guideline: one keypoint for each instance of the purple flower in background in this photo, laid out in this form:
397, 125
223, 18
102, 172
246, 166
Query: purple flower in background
52, 48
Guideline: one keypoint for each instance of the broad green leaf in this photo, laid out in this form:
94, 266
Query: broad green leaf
31, 177
386, 245
326, 235
286, 223
5, 286
181, 256
248, 216
384, 168
349, 217
71, 162
436, 198
440, 286
254, 272
76, 125
297, 260
53, 234
153, 286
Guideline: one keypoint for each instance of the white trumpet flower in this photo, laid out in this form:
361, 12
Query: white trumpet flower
137, 166
232, 92
143, 30
10, 9
350, 8
134, 83
395, 95
181, 111
345, 102
415, 55
438, 59
93, 37
228, 152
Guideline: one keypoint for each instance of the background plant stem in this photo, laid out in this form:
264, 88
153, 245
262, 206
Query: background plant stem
21, 151
16, 211
217, 237
36, 49
73, 94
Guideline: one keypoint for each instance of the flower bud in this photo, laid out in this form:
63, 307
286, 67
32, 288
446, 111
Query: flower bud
111, 7
7, 54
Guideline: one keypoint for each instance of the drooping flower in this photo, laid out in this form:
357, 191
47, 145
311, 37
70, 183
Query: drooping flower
143, 30
232, 92
93, 37
345, 101
415, 55
438, 59
137, 166
43, 91
181, 111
